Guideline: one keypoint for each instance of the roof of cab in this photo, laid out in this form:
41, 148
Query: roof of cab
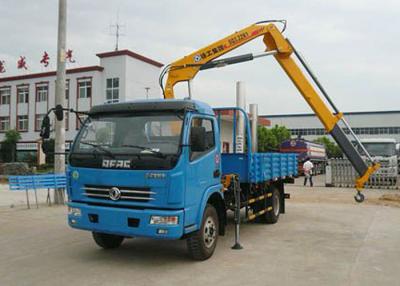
152, 105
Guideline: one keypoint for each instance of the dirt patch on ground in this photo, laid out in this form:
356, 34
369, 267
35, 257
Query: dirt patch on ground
344, 196
392, 200
390, 197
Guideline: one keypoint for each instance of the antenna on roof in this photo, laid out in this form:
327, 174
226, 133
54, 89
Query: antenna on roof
115, 30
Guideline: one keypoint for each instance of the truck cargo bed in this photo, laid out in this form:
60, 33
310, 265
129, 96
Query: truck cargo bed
259, 167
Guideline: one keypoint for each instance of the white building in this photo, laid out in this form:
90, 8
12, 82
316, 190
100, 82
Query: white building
373, 124
25, 99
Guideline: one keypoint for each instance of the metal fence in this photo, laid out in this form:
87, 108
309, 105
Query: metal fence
340, 173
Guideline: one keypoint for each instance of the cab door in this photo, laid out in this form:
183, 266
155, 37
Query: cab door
203, 168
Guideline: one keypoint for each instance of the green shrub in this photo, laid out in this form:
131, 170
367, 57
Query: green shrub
8, 147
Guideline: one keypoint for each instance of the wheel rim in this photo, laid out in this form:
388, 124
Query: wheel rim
276, 205
209, 232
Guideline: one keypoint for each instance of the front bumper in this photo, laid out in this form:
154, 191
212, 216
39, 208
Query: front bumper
125, 222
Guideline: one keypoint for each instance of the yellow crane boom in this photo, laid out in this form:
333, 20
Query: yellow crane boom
186, 68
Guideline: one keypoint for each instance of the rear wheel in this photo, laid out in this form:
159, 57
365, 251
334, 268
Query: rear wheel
202, 243
107, 241
272, 216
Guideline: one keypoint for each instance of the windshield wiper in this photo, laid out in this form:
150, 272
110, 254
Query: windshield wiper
158, 153
97, 146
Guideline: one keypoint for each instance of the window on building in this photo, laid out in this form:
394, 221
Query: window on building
5, 94
356, 130
66, 118
22, 122
85, 88
42, 92
38, 121
112, 90
4, 123
225, 147
67, 90
23, 94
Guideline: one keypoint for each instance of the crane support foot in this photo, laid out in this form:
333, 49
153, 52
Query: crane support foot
359, 197
237, 246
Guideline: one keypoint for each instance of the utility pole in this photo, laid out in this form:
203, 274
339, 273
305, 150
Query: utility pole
59, 148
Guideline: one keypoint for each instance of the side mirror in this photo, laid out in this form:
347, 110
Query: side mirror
198, 139
45, 128
59, 112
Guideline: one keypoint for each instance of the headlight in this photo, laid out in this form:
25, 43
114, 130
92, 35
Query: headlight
170, 220
74, 211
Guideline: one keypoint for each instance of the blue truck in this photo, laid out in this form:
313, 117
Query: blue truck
155, 169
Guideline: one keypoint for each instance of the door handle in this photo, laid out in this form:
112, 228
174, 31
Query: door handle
217, 173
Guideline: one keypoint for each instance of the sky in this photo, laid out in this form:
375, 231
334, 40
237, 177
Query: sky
352, 46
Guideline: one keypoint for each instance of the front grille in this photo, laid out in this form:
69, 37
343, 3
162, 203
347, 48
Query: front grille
127, 193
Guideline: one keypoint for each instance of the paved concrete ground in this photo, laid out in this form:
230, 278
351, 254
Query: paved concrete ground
323, 239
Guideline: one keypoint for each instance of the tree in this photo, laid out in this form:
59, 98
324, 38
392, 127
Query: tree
281, 134
269, 139
9, 145
332, 149
266, 139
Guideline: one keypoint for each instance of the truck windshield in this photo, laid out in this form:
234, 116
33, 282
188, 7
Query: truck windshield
140, 134
380, 149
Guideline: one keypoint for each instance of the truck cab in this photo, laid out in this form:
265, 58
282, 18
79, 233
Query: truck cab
140, 168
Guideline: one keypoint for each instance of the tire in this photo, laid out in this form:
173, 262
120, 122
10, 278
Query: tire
107, 241
202, 243
272, 216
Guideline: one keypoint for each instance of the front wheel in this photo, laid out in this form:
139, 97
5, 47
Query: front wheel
202, 243
107, 241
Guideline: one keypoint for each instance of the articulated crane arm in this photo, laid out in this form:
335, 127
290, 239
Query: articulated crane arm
186, 68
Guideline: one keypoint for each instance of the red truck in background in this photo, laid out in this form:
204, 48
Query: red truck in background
306, 149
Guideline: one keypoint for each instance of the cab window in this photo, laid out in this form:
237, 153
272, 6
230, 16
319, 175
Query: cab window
207, 124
